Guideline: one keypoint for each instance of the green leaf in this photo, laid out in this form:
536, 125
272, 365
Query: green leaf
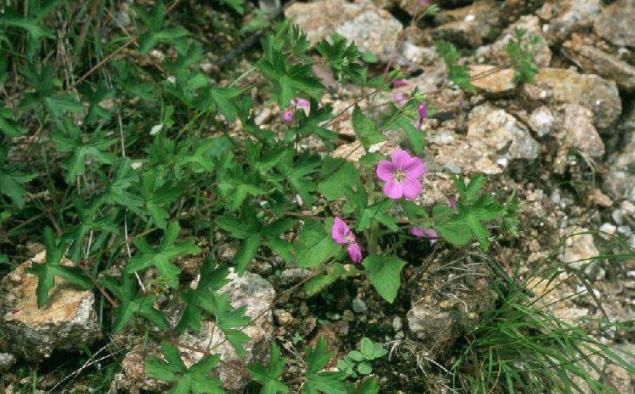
369, 386
320, 282
12, 180
83, 149
8, 126
322, 382
130, 305
315, 245
366, 129
335, 174
157, 32
270, 376
364, 368
385, 275
415, 136
229, 319
194, 380
161, 257
246, 253
32, 23
222, 97
458, 74
52, 267
237, 5
212, 278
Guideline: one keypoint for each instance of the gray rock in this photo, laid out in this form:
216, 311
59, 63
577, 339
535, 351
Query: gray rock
373, 29
616, 23
359, 306
7, 361
567, 16
577, 133
68, 322
447, 300
619, 181
470, 26
249, 290
562, 86
512, 9
595, 61
491, 81
414, 8
497, 134
494, 138
542, 121
292, 276
579, 249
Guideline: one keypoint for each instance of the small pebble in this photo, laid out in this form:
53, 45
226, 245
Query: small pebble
359, 306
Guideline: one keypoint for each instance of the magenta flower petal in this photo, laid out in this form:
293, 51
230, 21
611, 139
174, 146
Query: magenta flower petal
423, 110
302, 103
355, 252
385, 170
399, 158
424, 233
393, 190
287, 116
411, 188
414, 168
399, 83
340, 231
399, 98
452, 202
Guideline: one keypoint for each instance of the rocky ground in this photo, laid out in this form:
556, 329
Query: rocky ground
565, 143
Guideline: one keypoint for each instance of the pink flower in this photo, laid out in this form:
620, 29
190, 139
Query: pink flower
355, 252
294, 104
300, 103
343, 235
423, 111
452, 202
287, 116
399, 98
399, 83
401, 175
420, 232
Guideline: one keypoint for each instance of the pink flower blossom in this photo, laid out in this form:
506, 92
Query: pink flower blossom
401, 175
423, 2
287, 116
420, 232
399, 83
294, 104
342, 234
300, 103
452, 202
355, 252
399, 98
423, 111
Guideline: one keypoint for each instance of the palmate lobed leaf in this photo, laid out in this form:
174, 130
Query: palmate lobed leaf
194, 380
52, 267
322, 382
161, 257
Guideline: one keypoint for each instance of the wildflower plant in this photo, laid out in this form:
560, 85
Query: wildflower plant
140, 163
